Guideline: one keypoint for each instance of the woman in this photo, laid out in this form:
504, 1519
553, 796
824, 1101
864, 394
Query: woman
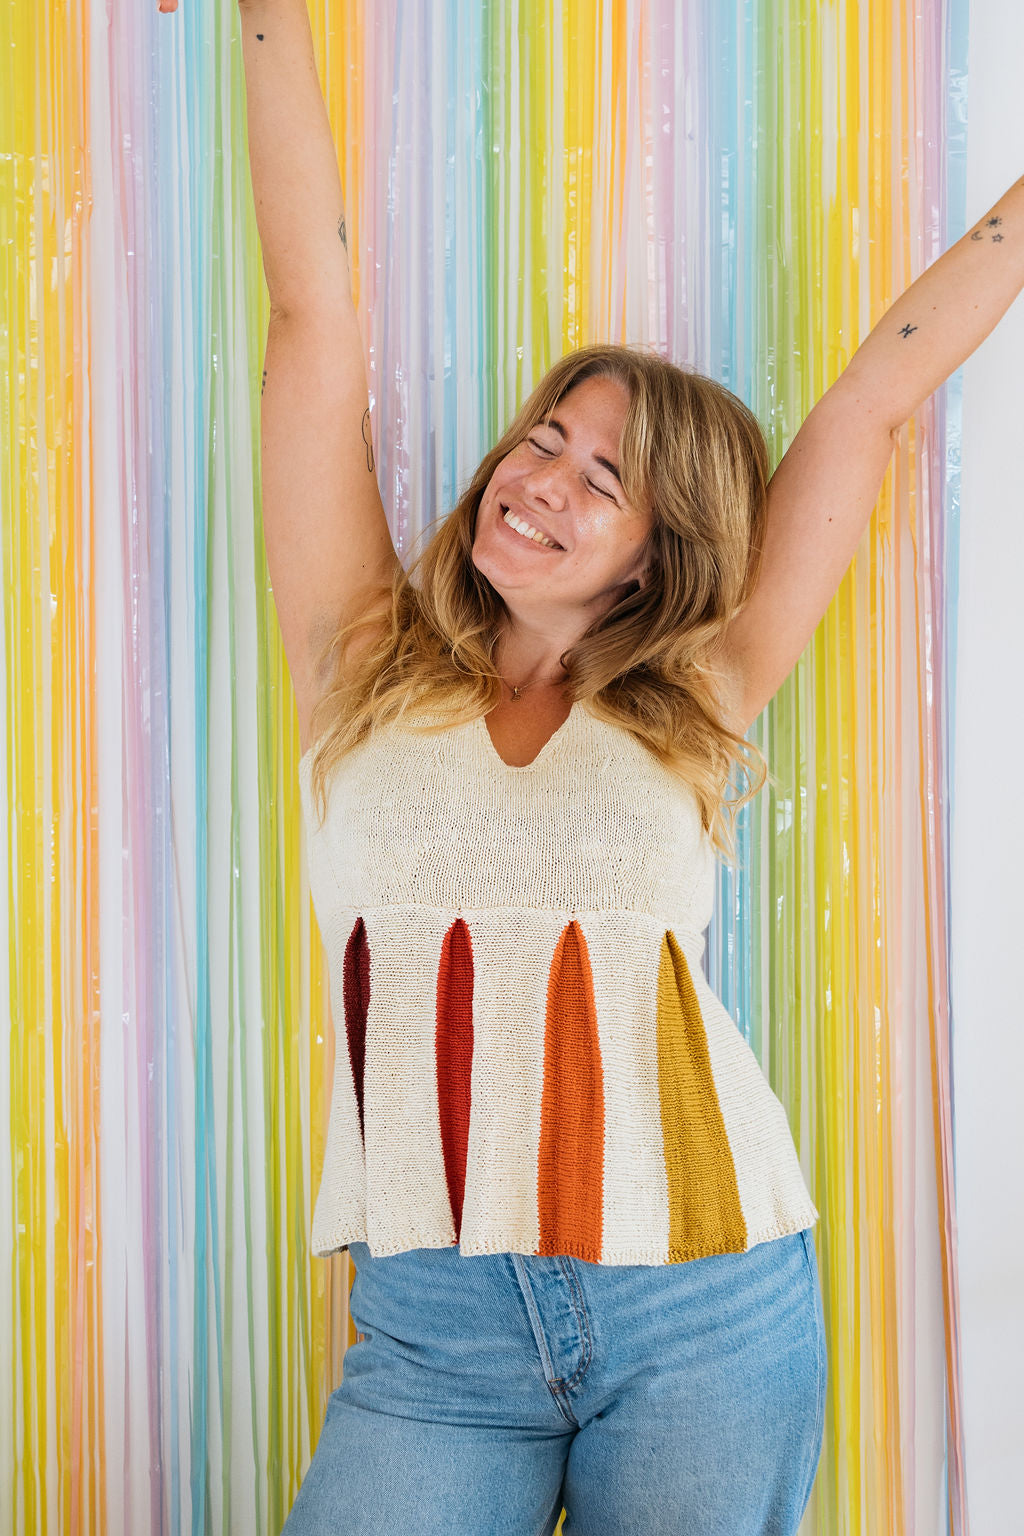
585, 1270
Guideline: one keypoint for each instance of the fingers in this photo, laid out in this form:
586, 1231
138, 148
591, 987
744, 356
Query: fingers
168, 5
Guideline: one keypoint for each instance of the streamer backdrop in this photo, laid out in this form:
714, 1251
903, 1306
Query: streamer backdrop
746, 185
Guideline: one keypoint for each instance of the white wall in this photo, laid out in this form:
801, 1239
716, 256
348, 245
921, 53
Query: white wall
988, 824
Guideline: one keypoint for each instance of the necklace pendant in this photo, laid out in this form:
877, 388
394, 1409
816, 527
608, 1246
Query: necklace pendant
515, 694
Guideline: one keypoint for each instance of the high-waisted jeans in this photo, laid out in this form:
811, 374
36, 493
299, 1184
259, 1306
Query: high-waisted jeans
487, 1392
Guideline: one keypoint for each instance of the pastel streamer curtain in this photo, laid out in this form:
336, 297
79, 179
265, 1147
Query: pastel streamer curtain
745, 184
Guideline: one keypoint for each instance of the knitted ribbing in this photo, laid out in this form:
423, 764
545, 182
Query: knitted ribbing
529, 1057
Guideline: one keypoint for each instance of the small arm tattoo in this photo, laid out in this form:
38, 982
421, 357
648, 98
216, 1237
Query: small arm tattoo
264, 384
992, 223
341, 232
908, 330
368, 439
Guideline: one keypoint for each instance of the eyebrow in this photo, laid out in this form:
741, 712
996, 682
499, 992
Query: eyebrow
598, 458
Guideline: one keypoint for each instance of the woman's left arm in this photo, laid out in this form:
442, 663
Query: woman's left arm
821, 496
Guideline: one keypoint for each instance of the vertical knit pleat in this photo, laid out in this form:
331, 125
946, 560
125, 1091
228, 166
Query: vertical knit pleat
356, 987
454, 1051
570, 1167
705, 1215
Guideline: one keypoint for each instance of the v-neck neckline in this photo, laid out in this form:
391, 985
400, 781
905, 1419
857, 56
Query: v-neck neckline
479, 723
559, 731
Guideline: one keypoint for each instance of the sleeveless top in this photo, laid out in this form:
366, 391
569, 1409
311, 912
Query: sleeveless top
528, 1056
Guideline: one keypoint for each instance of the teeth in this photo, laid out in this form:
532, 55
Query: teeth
526, 530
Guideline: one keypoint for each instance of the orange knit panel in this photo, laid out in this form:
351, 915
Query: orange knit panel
454, 1051
704, 1209
570, 1165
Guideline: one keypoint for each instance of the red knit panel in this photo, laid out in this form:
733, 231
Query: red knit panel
454, 1051
356, 986
570, 1165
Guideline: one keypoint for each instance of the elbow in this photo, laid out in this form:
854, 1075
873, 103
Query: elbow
304, 289
329, 312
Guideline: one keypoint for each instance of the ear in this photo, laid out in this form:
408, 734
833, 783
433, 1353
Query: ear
646, 562
644, 572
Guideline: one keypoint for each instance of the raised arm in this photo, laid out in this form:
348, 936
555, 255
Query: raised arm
822, 494
326, 535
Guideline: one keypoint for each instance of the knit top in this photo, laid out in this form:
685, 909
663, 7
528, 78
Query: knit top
528, 1055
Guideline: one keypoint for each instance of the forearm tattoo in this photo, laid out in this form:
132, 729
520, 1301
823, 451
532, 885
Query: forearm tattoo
992, 225
368, 439
264, 384
992, 228
341, 232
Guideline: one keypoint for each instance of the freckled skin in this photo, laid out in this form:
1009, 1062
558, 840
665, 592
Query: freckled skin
575, 501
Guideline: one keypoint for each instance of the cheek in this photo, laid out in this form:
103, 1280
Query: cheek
614, 541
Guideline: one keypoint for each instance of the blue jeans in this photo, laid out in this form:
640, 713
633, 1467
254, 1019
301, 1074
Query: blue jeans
488, 1391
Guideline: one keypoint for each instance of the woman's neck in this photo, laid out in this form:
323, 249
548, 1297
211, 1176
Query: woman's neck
532, 659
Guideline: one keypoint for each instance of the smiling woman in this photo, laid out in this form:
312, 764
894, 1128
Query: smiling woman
648, 482
559, 493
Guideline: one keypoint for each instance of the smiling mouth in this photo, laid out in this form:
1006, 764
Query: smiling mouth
526, 530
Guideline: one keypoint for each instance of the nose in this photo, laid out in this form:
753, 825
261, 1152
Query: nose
548, 481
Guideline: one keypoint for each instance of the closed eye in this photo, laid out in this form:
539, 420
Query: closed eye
549, 454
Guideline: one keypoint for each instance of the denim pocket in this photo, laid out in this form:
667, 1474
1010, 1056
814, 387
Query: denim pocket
811, 1258
807, 1238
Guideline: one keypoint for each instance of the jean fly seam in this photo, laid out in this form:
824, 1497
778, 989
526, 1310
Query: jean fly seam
553, 1383
582, 1321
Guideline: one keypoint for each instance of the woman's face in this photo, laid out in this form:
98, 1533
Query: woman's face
554, 527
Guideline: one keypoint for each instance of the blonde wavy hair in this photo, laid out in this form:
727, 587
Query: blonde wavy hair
693, 454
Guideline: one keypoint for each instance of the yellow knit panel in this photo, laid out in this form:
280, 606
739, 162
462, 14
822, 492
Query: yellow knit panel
705, 1215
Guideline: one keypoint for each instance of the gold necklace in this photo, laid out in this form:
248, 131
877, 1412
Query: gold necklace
517, 692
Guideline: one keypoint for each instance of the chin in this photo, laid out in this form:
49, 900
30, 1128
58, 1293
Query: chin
489, 565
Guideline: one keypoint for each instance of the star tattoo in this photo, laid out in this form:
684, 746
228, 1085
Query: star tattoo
996, 238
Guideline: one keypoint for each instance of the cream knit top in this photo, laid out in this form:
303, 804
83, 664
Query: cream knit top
528, 1055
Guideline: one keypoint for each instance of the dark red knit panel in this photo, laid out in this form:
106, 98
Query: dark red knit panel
356, 982
454, 1051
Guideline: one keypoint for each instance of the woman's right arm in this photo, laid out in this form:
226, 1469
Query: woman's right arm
326, 535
